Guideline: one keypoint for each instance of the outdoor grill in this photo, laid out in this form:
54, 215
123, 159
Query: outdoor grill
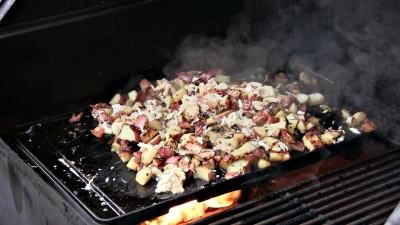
58, 61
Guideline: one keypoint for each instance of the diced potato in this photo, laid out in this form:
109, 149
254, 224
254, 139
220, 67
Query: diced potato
117, 126
210, 121
293, 108
260, 132
302, 98
239, 137
210, 164
125, 156
195, 161
232, 142
117, 99
274, 132
204, 173
191, 112
185, 138
212, 135
129, 133
257, 105
115, 147
286, 137
157, 139
247, 147
301, 126
329, 137
143, 176
155, 125
222, 78
225, 162
148, 135
357, 119
178, 95
132, 164
280, 113
271, 141
262, 163
132, 95
282, 123
316, 99
148, 155
312, 141
278, 156
237, 168
168, 101
292, 126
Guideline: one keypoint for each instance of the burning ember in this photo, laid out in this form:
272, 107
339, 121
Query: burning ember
194, 209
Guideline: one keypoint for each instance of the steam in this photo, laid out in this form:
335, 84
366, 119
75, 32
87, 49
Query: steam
353, 43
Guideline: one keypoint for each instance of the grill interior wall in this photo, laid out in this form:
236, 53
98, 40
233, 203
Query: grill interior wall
69, 60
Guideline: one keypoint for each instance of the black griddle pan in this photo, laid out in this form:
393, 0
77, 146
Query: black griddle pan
83, 167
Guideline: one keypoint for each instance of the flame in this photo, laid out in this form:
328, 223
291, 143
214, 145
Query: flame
194, 209
223, 200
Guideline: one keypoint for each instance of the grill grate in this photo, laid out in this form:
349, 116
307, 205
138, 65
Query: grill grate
365, 192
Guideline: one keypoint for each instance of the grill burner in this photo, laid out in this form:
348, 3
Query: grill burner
363, 192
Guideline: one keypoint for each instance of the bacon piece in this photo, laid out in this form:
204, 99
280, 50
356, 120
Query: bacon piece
185, 125
251, 157
100, 105
247, 102
165, 152
193, 148
173, 160
140, 122
103, 116
145, 85
187, 76
286, 102
220, 116
192, 167
210, 103
98, 131
75, 117
218, 152
111, 119
206, 154
259, 119
159, 162
205, 76
174, 106
124, 146
199, 128
298, 146
137, 157
260, 153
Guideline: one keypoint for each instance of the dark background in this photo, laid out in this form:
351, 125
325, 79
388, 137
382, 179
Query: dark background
59, 64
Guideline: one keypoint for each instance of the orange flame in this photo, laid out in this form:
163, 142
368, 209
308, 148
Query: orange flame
194, 209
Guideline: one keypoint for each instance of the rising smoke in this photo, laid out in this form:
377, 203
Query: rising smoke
356, 44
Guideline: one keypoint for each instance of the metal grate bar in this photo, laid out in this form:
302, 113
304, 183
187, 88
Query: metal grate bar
304, 207
250, 208
379, 222
359, 203
367, 209
261, 212
374, 215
